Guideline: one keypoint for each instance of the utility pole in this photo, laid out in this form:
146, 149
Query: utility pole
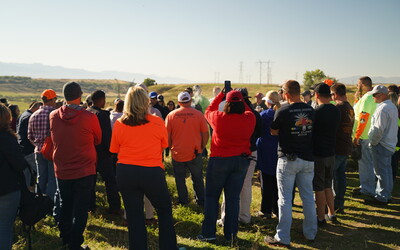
261, 64
269, 75
241, 72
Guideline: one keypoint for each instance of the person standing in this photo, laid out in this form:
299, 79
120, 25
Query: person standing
267, 158
75, 132
293, 124
363, 111
26, 146
383, 139
139, 138
326, 124
11, 166
228, 163
183, 123
343, 144
38, 130
104, 165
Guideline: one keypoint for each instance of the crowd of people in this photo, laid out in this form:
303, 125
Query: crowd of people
292, 140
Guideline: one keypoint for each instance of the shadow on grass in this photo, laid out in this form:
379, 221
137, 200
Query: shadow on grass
113, 236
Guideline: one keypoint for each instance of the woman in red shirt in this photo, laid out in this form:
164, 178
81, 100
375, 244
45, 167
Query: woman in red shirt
227, 167
139, 138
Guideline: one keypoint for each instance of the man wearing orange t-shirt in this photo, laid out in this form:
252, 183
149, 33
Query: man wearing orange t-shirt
188, 135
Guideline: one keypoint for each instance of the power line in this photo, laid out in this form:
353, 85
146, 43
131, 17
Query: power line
269, 74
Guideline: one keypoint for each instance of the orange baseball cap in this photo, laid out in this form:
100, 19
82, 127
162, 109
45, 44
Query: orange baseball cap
329, 82
49, 94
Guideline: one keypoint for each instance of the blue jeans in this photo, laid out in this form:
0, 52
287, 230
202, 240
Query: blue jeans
195, 167
366, 169
75, 201
46, 178
47, 181
287, 172
226, 173
8, 210
339, 180
383, 171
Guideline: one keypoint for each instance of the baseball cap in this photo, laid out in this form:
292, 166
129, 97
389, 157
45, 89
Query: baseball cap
307, 92
160, 98
259, 95
153, 95
234, 96
244, 92
322, 89
184, 97
49, 94
379, 89
329, 82
72, 91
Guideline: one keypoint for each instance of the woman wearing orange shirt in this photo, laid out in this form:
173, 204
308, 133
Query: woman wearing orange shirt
139, 138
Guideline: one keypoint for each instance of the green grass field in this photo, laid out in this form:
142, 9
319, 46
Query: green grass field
363, 226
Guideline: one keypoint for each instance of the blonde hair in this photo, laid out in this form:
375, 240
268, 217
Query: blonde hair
394, 98
275, 98
5, 119
136, 107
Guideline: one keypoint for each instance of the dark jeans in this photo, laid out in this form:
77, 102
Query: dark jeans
195, 167
226, 173
134, 182
339, 180
106, 170
395, 164
75, 201
269, 202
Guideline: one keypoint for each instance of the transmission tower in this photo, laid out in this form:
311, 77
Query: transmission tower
269, 74
261, 64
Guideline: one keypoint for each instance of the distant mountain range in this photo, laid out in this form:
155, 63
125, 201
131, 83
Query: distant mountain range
37, 70
375, 79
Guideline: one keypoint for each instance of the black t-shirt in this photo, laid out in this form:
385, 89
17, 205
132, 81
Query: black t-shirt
326, 124
295, 124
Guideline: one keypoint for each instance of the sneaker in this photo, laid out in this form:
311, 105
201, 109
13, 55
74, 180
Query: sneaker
202, 238
272, 241
220, 223
321, 223
333, 219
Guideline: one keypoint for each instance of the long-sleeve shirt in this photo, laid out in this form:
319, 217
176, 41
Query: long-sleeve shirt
22, 131
39, 127
231, 132
384, 126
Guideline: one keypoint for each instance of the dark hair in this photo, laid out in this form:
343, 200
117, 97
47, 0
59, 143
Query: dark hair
234, 107
393, 88
98, 95
13, 108
173, 104
365, 80
291, 87
339, 89
119, 106
189, 90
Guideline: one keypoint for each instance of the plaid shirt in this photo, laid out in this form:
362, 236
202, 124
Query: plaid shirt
39, 127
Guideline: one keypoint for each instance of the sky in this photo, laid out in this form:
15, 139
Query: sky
206, 40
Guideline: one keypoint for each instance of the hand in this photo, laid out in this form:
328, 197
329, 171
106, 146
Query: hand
356, 141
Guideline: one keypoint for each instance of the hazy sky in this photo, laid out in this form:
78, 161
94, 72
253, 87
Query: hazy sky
206, 40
